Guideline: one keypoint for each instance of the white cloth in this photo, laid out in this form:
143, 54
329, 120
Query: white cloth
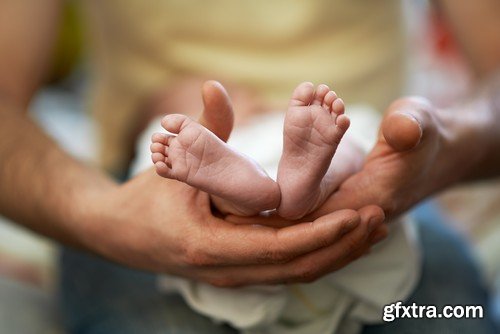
340, 302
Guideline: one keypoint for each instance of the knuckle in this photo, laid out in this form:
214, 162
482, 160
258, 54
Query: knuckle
195, 256
307, 274
389, 202
351, 245
325, 239
270, 256
390, 207
323, 242
274, 254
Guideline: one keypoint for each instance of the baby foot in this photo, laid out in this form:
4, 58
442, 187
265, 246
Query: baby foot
194, 155
314, 126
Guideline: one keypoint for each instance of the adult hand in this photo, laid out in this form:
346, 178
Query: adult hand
166, 226
407, 164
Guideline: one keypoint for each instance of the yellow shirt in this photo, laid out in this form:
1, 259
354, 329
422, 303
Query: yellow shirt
139, 46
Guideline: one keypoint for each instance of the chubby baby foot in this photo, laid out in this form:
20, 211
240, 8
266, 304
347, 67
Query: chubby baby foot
314, 126
194, 155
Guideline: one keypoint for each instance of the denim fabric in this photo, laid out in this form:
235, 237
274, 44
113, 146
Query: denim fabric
449, 277
99, 297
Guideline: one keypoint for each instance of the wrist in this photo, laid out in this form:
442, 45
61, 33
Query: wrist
489, 97
113, 222
469, 136
89, 214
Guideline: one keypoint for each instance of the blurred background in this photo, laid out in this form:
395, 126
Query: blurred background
28, 262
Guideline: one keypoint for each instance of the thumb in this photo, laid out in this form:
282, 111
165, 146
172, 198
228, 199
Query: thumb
406, 122
218, 114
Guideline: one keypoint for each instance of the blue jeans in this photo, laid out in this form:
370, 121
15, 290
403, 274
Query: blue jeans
98, 297
449, 277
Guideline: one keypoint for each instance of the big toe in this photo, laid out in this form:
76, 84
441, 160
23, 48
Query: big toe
405, 123
218, 114
174, 123
303, 95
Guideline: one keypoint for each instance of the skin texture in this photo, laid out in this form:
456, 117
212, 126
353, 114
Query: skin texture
409, 144
219, 252
199, 158
126, 223
180, 237
407, 166
314, 126
80, 206
414, 164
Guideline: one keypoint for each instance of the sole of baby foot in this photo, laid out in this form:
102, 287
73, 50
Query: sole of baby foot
194, 155
314, 126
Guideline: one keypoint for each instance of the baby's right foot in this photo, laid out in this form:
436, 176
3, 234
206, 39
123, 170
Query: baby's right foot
314, 126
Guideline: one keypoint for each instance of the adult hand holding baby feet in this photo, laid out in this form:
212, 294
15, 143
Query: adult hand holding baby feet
224, 254
314, 126
410, 161
170, 229
405, 165
192, 154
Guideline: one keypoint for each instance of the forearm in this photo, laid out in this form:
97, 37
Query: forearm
41, 187
473, 127
471, 140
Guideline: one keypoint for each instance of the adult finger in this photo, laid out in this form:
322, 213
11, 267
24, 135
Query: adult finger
218, 115
306, 268
406, 121
222, 243
264, 219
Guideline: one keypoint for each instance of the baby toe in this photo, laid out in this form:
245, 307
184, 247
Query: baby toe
159, 138
174, 123
343, 123
157, 147
157, 157
338, 106
320, 93
302, 95
328, 100
162, 169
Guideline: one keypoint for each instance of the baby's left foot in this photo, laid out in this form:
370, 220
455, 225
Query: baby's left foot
196, 156
314, 126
